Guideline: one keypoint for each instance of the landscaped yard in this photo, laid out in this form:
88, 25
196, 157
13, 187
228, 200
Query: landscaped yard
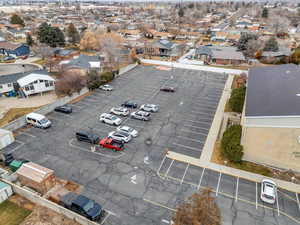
12, 214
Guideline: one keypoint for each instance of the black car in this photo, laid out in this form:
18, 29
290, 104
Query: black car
168, 89
130, 104
83, 206
64, 109
87, 137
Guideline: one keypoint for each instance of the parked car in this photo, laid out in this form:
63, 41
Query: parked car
168, 89
64, 109
8, 58
37, 120
268, 191
110, 119
149, 107
130, 104
111, 144
131, 131
6, 158
120, 111
82, 205
120, 136
87, 137
141, 115
106, 87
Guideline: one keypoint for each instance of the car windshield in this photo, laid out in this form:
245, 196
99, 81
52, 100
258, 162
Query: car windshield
44, 121
114, 118
88, 206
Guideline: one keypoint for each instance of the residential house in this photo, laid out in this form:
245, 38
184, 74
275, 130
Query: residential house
220, 55
14, 49
17, 33
85, 63
27, 83
165, 48
271, 117
276, 55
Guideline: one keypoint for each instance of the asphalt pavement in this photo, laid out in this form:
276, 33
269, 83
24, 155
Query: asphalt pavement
140, 185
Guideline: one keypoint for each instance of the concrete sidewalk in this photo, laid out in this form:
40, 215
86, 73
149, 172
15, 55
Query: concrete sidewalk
208, 148
192, 67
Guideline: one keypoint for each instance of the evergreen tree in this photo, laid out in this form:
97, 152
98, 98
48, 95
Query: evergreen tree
265, 13
51, 36
271, 45
181, 12
29, 40
15, 19
73, 34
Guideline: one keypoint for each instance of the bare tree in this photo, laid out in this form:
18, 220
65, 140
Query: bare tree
201, 208
89, 41
252, 47
111, 45
44, 50
69, 82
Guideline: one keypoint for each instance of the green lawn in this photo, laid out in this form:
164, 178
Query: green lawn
12, 214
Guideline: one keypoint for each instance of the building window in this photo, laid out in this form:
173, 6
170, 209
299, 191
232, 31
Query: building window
9, 85
31, 87
1, 86
51, 83
41, 81
47, 83
35, 82
26, 88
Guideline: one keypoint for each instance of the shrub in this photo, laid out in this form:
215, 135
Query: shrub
93, 80
237, 99
230, 144
107, 76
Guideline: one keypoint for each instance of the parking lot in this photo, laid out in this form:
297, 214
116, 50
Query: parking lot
139, 185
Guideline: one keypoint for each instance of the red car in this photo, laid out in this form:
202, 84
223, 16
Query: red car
111, 144
168, 89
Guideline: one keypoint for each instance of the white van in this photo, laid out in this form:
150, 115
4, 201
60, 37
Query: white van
37, 120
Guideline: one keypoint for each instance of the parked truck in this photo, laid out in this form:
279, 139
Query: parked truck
83, 206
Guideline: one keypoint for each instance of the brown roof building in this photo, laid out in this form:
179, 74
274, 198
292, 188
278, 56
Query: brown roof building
36, 177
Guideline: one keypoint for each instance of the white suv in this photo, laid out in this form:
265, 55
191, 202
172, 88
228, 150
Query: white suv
268, 191
149, 107
110, 119
120, 111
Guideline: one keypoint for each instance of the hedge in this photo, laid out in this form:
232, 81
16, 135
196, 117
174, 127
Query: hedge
230, 144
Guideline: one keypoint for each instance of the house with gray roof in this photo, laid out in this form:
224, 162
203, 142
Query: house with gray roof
27, 83
220, 55
82, 62
271, 118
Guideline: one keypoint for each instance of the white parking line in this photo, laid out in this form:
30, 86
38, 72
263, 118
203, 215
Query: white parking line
278, 213
217, 190
162, 162
166, 174
256, 195
192, 121
188, 147
165, 221
184, 173
105, 218
186, 125
193, 132
200, 113
30, 135
191, 139
16, 148
97, 153
297, 201
237, 189
201, 179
